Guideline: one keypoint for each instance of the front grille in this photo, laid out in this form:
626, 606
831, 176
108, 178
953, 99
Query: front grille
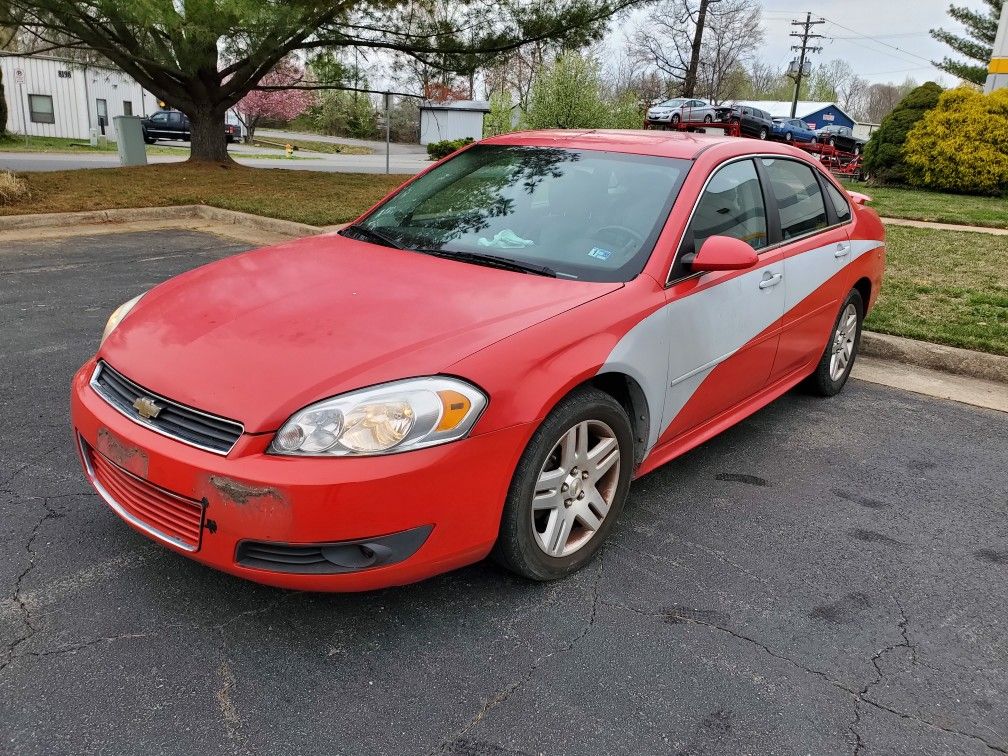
191, 426
159, 512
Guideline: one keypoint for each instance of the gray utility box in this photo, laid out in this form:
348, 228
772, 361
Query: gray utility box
129, 137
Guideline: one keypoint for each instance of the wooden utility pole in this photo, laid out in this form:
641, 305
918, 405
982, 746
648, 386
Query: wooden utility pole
803, 48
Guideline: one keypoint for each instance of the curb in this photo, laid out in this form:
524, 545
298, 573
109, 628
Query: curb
988, 367
169, 212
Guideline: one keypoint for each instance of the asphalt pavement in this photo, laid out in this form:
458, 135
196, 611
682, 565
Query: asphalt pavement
400, 161
829, 576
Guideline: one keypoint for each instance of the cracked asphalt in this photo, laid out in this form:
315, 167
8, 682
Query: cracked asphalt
829, 576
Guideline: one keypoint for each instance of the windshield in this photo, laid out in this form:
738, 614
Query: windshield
672, 104
581, 214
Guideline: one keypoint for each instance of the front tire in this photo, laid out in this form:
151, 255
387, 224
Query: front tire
675, 119
788, 137
708, 118
763, 133
568, 488
838, 358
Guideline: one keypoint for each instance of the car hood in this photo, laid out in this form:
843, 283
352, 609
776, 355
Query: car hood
257, 336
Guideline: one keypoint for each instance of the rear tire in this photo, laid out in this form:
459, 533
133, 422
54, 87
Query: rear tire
838, 358
578, 487
788, 137
708, 119
763, 133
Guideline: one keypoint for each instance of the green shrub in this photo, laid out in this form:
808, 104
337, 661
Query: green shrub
438, 150
961, 145
498, 120
341, 113
883, 155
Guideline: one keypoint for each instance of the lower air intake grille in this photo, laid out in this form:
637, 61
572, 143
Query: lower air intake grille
330, 558
161, 513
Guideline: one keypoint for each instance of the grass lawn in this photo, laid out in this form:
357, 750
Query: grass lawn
914, 204
16, 143
313, 197
949, 287
313, 146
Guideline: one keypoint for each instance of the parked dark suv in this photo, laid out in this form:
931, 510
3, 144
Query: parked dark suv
841, 137
752, 122
171, 124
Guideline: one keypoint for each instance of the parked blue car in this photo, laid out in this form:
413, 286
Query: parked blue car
792, 130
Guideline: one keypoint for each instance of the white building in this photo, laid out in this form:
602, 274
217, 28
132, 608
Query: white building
452, 120
62, 98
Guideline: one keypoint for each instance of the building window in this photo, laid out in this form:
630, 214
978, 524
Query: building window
40, 109
127, 108
102, 107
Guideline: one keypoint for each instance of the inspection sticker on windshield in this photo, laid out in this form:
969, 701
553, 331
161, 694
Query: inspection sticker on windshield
600, 254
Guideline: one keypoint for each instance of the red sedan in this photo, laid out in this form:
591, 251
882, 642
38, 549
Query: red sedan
480, 364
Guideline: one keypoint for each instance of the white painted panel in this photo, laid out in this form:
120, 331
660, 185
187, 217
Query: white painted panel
437, 125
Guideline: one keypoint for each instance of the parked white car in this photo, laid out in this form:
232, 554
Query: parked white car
681, 109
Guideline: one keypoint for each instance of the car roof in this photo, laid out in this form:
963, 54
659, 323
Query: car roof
673, 144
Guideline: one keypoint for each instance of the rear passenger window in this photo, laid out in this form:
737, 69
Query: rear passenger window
799, 199
840, 204
731, 205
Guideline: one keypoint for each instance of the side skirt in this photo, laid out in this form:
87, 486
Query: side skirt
696, 436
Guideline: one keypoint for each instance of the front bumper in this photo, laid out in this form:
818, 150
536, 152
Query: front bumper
457, 489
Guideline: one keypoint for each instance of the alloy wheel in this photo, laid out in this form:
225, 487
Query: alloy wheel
575, 488
843, 342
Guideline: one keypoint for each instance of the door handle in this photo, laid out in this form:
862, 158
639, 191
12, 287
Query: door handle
770, 279
842, 250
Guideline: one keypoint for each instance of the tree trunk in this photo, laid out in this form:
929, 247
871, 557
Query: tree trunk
208, 143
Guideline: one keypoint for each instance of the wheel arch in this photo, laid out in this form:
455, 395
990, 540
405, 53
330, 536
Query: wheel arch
628, 392
864, 288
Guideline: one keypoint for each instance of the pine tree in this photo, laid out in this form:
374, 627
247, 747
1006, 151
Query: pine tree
978, 45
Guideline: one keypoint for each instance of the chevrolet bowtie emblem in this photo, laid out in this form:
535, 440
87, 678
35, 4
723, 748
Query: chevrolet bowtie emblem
147, 408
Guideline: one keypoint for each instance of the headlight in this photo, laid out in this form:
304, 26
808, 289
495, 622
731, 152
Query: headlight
386, 419
117, 315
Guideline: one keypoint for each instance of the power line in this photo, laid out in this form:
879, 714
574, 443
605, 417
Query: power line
806, 34
876, 39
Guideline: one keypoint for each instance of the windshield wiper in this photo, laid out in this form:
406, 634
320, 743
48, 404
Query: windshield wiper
491, 261
377, 236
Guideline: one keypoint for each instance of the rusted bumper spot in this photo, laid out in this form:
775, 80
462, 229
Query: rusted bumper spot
238, 492
129, 458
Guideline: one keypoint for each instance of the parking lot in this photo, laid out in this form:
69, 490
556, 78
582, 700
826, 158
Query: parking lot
829, 576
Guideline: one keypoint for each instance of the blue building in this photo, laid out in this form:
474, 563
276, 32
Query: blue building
815, 114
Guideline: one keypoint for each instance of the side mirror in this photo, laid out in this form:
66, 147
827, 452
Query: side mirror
723, 253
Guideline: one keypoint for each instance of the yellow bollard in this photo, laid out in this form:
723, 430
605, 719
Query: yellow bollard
289, 149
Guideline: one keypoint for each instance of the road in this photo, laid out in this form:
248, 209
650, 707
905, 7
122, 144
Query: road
828, 577
403, 162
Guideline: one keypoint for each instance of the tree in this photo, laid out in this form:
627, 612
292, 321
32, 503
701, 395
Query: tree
977, 45
569, 95
732, 33
500, 118
883, 155
274, 104
203, 56
959, 145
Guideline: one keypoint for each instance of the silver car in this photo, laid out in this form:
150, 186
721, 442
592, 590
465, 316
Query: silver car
681, 109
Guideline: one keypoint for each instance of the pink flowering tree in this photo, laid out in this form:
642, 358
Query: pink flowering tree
274, 104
